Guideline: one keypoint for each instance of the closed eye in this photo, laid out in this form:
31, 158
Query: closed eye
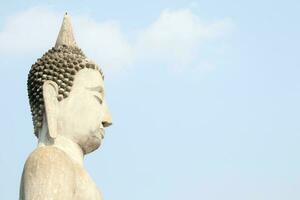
99, 99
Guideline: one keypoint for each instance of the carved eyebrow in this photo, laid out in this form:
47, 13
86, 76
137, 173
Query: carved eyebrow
96, 89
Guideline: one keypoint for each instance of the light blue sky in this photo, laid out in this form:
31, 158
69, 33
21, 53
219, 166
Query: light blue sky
204, 95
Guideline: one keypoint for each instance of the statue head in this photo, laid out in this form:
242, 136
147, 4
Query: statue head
66, 94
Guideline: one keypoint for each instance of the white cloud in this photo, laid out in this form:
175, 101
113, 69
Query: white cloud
36, 29
104, 42
175, 39
29, 31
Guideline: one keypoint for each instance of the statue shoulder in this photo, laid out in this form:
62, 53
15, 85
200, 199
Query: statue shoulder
47, 160
48, 154
47, 169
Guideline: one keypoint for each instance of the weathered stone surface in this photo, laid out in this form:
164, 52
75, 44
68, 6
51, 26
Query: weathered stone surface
69, 111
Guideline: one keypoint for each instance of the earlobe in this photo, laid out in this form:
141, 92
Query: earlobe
50, 92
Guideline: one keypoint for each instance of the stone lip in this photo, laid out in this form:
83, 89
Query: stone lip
66, 36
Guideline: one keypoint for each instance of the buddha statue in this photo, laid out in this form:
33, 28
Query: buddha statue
69, 112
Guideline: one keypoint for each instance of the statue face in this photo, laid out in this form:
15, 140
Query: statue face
83, 116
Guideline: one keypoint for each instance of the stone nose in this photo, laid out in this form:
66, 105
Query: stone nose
107, 119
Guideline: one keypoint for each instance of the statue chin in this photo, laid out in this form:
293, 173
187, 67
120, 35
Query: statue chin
90, 144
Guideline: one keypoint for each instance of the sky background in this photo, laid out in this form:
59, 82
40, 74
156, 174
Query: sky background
204, 95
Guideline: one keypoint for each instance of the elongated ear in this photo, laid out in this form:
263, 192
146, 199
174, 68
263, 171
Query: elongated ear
50, 92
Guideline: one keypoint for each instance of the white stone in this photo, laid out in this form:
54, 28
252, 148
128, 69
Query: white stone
71, 128
65, 36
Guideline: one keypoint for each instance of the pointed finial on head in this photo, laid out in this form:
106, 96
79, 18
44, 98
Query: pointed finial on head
65, 36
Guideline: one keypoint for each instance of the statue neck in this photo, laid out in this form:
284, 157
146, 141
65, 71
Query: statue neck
71, 148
